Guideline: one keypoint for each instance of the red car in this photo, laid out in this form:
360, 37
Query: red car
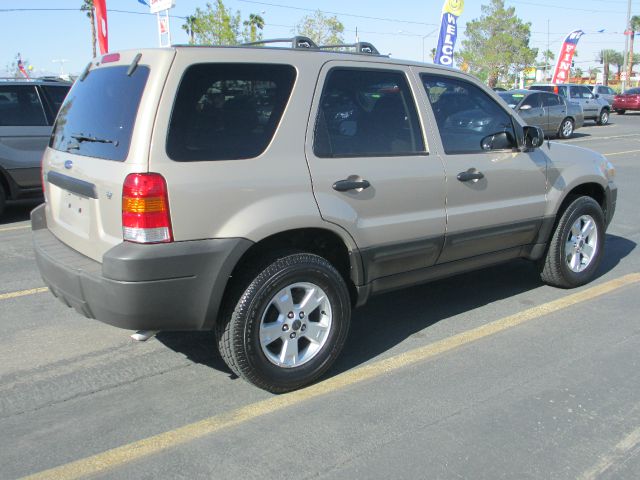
629, 100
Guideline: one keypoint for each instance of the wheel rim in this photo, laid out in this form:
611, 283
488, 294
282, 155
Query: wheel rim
567, 128
581, 245
295, 325
605, 117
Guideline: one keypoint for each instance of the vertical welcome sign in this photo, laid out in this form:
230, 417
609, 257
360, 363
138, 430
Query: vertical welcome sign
565, 57
451, 10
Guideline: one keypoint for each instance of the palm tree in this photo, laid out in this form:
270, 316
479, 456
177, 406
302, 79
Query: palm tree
605, 57
634, 26
189, 26
255, 23
87, 6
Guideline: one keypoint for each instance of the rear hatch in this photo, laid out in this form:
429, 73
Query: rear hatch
101, 135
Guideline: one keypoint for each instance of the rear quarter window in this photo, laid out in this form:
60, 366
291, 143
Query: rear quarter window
20, 107
227, 111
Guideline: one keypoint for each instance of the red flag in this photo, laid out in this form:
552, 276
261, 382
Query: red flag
23, 71
563, 67
101, 21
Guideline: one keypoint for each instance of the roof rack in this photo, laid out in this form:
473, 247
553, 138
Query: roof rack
299, 42
360, 47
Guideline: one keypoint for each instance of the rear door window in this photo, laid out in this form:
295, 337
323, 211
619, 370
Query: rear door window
20, 107
98, 115
55, 96
549, 100
228, 111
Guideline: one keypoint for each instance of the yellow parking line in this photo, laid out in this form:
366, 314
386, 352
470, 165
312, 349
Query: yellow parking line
20, 227
22, 293
619, 453
620, 153
148, 446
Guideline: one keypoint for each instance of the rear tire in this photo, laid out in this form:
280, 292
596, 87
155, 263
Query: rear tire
566, 128
577, 245
603, 118
620, 112
288, 325
3, 199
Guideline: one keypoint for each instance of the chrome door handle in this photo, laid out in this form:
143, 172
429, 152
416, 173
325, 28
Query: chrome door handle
346, 185
470, 175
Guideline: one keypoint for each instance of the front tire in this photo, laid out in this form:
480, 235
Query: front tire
577, 245
603, 118
288, 325
620, 112
566, 128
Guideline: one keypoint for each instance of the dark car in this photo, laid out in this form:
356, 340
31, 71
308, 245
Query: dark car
629, 100
27, 111
594, 107
551, 112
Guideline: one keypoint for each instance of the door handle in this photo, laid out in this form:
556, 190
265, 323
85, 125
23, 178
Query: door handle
347, 184
470, 175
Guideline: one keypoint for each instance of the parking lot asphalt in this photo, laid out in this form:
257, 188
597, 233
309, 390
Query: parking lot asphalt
486, 375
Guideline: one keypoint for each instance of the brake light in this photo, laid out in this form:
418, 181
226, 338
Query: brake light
145, 209
111, 57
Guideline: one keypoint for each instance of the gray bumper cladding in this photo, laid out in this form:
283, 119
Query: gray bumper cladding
173, 286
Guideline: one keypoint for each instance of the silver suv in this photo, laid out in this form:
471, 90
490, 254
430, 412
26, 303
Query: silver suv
27, 111
265, 192
594, 107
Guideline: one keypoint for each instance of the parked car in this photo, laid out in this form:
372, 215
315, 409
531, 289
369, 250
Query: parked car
596, 109
629, 100
27, 111
265, 192
552, 113
603, 91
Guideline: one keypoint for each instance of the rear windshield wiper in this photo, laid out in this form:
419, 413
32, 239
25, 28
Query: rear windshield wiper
79, 137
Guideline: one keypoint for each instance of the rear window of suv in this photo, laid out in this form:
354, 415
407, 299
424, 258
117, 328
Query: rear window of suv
227, 111
98, 115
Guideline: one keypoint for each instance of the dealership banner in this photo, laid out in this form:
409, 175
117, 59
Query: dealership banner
451, 10
561, 74
100, 7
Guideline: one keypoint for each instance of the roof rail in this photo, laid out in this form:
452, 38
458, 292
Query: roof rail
296, 42
360, 47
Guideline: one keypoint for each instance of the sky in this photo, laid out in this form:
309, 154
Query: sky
400, 28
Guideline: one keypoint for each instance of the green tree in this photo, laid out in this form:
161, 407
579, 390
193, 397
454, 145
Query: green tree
253, 28
617, 59
188, 26
593, 73
321, 29
214, 25
87, 6
497, 43
606, 57
634, 26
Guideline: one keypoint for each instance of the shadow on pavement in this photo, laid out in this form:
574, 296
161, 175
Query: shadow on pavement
389, 319
18, 211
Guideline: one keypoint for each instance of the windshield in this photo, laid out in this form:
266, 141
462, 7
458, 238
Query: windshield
512, 99
98, 115
632, 91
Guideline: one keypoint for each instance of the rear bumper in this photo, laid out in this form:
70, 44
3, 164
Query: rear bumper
174, 286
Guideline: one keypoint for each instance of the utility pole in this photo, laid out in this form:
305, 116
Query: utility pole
546, 57
626, 45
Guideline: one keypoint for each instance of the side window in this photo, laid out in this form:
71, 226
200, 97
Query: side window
532, 100
227, 111
610, 91
367, 113
466, 115
586, 93
550, 100
575, 92
55, 96
20, 106
562, 90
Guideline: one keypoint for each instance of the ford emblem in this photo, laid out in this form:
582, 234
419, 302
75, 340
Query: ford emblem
68, 164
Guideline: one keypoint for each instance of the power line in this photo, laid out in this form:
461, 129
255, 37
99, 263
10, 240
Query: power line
340, 13
9, 10
546, 5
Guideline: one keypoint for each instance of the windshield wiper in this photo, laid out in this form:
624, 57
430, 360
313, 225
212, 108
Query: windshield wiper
88, 138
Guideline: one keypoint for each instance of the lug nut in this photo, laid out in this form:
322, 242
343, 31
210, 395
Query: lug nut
285, 327
290, 315
304, 327
301, 315
293, 335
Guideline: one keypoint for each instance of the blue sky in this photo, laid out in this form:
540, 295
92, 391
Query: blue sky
397, 27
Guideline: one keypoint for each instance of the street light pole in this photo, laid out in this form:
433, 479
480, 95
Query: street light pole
626, 46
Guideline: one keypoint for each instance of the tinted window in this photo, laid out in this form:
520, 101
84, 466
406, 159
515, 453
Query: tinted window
20, 106
97, 117
632, 91
227, 111
465, 114
512, 99
55, 95
543, 88
575, 92
532, 100
366, 113
609, 90
549, 100
562, 90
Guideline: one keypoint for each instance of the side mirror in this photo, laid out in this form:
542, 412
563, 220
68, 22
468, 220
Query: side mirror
525, 107
533, 137
597, 95
497, 141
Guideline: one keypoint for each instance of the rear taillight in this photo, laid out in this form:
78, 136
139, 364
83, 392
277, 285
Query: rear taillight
145, 209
